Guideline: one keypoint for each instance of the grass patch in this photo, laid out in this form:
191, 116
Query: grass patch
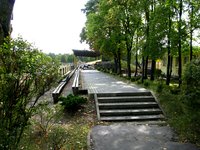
77, 136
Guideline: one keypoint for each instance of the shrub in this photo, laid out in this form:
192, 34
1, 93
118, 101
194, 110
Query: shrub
46, 116
190, 99
175, 89
72, 103
57, 137
43, 131
133, 79
191, 84
158, 72
159, 87
139, 81
146, 83
25, 75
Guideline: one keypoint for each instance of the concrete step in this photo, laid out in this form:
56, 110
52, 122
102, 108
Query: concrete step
133, 118
140, 106
130, 112
127, 105
145, 93
126, 99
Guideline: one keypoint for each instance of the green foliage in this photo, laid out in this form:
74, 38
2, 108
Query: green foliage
44, 132
147, 28
46, 116
72, 103
134, 79
160, 87
181, 109
146, 83
25, 74
191, 98
191, 84
184, 120
62, 58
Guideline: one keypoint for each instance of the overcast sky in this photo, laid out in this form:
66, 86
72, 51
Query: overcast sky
52, 25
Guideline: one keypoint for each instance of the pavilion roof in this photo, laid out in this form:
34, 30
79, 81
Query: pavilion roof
86, 53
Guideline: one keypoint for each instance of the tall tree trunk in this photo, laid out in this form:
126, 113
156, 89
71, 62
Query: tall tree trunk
153, 67
136, 56
179, 42
136, 64
146, 67
143, 68
119, 62
191, 36
191, 28
6, 9
147, 40
169, 49
168, 67
170, 70
116, 63
129, 62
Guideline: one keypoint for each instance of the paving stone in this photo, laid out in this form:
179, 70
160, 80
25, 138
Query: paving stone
133, 137
98, 82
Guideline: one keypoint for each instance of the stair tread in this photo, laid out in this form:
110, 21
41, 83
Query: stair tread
129, 110
127, 103
124, 97
144, 117
124, 94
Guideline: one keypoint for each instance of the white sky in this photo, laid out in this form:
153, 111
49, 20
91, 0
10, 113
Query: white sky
51, 25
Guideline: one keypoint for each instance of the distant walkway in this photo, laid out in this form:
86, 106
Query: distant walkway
98, 82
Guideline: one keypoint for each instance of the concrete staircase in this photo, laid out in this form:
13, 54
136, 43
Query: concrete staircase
139, 106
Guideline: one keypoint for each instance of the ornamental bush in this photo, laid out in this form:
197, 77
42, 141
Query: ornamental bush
25, 75
72, 103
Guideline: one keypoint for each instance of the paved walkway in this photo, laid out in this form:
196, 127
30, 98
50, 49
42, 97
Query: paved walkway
132, 137
98, 82
126, 136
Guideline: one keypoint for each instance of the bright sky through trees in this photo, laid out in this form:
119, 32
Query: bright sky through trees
52, 25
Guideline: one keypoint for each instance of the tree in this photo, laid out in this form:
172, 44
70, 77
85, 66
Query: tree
102, 30
180, 12
145, 6
64, 58
25, 74
169, 28
129, 20
6, 9
193, 22
91, 7
112, 32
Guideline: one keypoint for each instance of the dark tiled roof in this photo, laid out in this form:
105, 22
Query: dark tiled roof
86, 53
